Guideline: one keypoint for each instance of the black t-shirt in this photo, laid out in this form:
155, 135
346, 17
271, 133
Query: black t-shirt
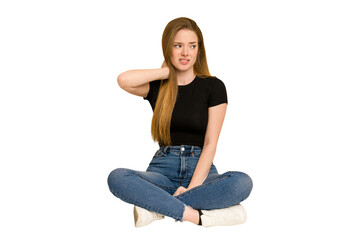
190, 115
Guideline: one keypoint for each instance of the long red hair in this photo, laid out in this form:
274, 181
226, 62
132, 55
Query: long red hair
161, 121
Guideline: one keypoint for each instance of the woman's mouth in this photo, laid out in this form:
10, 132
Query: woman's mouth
184, 61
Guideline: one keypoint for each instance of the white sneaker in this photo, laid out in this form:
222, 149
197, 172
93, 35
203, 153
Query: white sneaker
143, 217
224, 217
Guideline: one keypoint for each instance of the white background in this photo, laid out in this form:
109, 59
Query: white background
291, 69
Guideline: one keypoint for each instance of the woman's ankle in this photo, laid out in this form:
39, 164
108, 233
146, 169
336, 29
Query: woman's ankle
191, 215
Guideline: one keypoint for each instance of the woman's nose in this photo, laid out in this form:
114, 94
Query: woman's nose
184, 52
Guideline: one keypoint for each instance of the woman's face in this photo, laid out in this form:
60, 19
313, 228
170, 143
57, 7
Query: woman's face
184, 50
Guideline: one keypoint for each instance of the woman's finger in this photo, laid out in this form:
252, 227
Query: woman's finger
179, 191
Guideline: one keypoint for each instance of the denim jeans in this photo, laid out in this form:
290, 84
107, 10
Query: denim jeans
170, 168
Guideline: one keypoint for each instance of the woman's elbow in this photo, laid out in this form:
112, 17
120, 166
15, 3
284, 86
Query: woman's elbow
121, 80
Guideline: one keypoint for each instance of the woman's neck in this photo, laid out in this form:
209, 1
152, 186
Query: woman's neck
184, 78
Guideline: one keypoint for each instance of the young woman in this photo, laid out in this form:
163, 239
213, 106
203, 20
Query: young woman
189, 107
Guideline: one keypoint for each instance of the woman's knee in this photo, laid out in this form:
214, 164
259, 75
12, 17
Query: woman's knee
117, 178
242, 183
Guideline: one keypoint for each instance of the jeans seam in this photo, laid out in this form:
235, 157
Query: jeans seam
229, 174
203, 185
137, 203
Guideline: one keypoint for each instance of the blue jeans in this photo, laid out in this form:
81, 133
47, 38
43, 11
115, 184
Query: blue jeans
170, 168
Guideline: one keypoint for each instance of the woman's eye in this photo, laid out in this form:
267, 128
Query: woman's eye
193, 46
177, 46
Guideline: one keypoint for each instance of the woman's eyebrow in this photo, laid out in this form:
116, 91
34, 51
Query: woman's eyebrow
182, 42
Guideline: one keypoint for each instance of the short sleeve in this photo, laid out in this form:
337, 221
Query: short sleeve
153, 90
217, 93
154, 87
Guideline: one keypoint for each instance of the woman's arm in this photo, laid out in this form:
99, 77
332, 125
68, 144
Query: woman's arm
215, 121
137, 81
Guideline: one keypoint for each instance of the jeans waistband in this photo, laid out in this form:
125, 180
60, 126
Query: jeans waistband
182, 148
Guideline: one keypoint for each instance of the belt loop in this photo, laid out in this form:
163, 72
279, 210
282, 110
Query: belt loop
166, 147
192, 148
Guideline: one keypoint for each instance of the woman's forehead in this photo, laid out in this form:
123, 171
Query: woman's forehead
185, 36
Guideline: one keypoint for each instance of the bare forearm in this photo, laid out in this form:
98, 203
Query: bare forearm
203, 166
136, 78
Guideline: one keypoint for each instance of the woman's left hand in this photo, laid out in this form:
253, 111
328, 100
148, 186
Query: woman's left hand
179, 191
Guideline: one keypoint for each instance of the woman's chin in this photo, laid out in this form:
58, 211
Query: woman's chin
183, 68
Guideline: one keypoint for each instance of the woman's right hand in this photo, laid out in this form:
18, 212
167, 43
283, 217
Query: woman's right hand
137, 81
164, 65
166, 69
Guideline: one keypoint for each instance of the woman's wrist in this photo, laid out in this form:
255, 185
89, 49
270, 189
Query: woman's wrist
164, 73
192, 185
